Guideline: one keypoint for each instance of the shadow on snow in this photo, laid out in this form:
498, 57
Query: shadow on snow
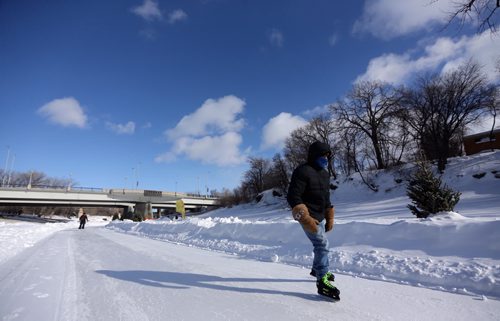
176, 280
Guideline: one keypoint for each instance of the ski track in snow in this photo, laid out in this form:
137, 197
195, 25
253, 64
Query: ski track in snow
98, 274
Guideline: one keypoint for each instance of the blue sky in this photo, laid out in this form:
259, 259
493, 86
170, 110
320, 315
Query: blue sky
177, 94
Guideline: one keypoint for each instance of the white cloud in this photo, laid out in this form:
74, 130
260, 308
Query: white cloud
387, 19
128, 128
278, 128
166, 157
444, 54
149, 10
221, 150
333, 39
483, 124
214, 116
276, 38
176, 16
66, 112
318, 110
210, 134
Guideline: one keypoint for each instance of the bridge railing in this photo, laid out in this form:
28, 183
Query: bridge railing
56, 188
114, 191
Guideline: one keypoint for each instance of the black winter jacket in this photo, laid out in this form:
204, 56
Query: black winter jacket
310, 184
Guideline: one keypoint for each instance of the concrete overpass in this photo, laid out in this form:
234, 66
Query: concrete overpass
142, 202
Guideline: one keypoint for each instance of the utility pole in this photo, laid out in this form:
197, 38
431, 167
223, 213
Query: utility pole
136, 169
69, 183
11, 169
31, 178
4, 176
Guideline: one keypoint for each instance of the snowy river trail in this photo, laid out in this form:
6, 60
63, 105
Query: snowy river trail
97, 274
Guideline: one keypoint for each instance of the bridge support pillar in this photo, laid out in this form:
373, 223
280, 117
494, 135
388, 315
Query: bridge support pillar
128, 213
145, 210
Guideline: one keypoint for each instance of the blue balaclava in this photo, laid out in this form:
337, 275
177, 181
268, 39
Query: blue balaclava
322, 161
318, 155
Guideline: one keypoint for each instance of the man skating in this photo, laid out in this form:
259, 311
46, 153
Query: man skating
309, 198
83, 220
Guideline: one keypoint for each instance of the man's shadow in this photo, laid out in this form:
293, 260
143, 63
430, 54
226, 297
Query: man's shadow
176, 280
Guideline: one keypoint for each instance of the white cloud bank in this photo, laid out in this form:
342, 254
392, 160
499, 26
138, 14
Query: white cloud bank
387, 19
444, 54
66, 112
177, 16
278, 129
210, 134
120, 129
149, 10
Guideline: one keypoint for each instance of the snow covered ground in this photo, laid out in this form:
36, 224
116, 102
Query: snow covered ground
375, 236
252, 261
16, 236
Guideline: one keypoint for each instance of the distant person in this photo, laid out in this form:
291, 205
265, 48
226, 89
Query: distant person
83, 220
309, 198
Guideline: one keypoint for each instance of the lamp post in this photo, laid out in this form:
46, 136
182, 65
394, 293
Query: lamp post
4, 176
11, 169
136, 169
31, 178
68, 188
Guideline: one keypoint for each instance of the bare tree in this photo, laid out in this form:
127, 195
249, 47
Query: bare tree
279, 173
321, 128
369, 109
441, 106
495, 108
483, 12
255, 177
36, 178
346, 147
297, 145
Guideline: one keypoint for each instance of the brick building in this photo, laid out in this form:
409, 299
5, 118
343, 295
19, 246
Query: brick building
476, 143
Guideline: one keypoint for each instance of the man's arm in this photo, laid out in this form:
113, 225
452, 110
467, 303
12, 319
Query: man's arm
296, 189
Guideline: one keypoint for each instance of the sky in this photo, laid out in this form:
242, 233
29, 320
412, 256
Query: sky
176, 95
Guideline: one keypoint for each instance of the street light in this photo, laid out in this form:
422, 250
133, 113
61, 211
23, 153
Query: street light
4, 176
136, 175
11, 169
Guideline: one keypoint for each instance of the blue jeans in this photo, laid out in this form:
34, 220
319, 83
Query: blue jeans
321, 263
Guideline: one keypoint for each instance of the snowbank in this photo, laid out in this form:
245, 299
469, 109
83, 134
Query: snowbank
453, 255
375, 235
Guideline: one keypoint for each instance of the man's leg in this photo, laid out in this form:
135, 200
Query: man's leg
321, 263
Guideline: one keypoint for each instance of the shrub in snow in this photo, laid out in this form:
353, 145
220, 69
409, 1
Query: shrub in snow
479, 175
277, 194
428, 194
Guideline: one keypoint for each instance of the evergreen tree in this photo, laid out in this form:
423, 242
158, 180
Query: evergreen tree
428, 194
